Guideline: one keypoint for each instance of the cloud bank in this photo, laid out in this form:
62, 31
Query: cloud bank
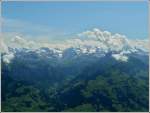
93, 38
87, 41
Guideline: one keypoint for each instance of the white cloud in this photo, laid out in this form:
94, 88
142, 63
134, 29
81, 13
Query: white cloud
3, 46
87, 35
19, 42
8, 57
140, 44
95, 38
112, 41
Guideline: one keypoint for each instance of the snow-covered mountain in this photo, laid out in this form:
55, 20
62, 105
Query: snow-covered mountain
96, 42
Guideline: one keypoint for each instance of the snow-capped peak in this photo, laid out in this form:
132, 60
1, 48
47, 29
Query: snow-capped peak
95, 42
120, 57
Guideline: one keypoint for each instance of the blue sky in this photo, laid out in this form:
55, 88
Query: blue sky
55, 19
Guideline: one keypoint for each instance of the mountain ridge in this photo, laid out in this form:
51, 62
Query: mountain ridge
95, 42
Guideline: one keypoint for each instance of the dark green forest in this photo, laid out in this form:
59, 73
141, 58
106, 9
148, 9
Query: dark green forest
80, 84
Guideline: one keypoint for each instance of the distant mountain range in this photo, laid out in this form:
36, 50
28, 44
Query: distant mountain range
94, 42
96, 71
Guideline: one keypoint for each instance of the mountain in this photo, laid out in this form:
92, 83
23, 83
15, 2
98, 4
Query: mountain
96, 71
